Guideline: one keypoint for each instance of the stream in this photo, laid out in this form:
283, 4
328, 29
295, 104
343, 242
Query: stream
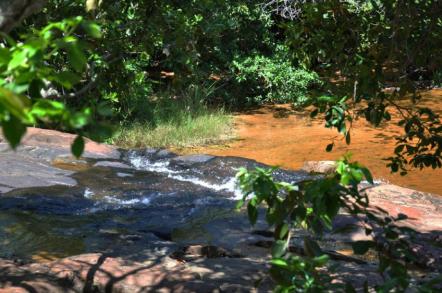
122, 207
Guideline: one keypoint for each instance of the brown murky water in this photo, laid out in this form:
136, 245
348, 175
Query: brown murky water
279, 136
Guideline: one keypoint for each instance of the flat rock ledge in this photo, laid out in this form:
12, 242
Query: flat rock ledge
42, 158
46, 138
100, 273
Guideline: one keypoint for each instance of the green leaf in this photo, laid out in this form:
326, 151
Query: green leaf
47, 108
321, 260
329, 147
92, 29
279, 262
79, 120
399, 149
15, 104
347, 137
76, 57
239, 204
105, 109
252, 211
5, 56
13, 130
283, 231
101, 131
18, 58
314, 113
77, 147
279, 248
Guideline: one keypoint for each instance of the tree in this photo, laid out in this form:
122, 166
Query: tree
35, 65
360, 48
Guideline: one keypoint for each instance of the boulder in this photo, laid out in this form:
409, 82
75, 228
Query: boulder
323, 167
424, 210
24, 172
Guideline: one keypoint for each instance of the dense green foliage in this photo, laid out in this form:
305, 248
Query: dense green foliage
273, 79
26, 78
153, 47
151, 54
151, 51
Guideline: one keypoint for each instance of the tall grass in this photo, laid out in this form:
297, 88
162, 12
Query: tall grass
177, 121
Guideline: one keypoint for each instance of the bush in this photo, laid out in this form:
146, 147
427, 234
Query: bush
273, 79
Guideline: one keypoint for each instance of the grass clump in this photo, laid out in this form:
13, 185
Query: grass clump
204, 129
178, 121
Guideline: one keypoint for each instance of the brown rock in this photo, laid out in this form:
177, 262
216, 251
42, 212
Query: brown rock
324, 167
422, 209
56, 139
99, 273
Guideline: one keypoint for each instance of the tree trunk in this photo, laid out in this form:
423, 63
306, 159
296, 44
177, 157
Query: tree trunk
12, 12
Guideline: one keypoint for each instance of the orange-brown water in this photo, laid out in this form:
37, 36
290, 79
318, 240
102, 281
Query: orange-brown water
275, 135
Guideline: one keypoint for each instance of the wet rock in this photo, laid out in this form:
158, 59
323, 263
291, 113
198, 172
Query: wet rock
121, 174
190, 161
164, 154
112, 164
20, 171
323, 167
44, 159
150, 154
68, 162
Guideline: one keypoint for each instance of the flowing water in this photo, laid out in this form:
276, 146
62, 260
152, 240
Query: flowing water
132, 212
277, 135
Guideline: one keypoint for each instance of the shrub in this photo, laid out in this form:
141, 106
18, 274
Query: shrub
273, 79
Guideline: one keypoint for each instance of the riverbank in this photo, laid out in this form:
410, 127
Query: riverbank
278, 135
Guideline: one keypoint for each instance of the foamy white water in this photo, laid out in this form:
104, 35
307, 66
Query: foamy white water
142, 163
127, 202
